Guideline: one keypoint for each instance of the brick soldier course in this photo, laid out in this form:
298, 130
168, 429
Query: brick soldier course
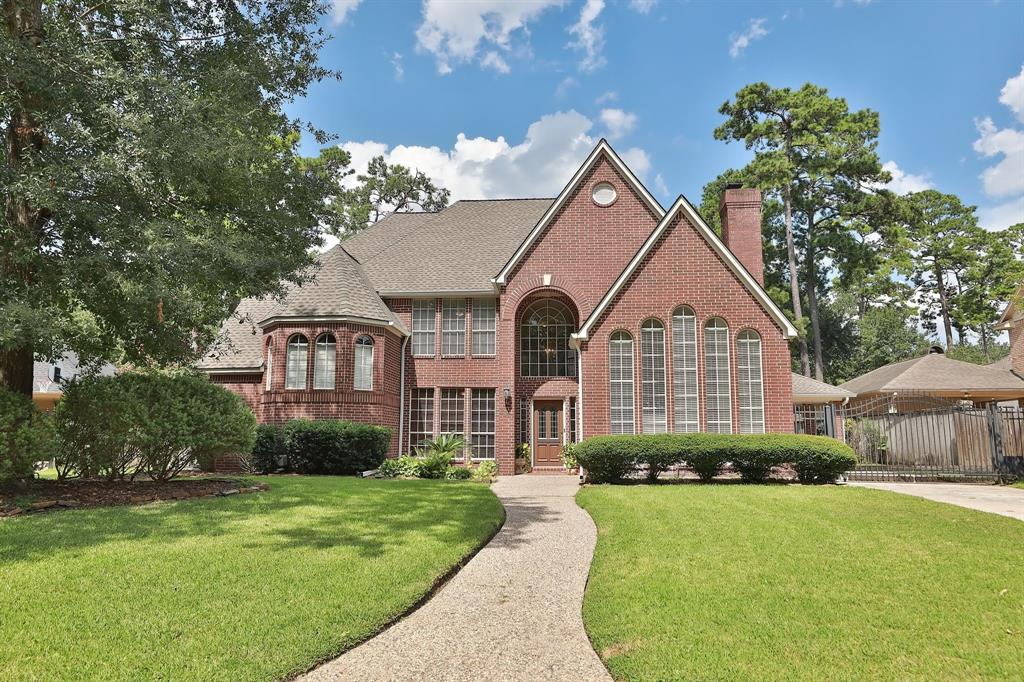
604, 256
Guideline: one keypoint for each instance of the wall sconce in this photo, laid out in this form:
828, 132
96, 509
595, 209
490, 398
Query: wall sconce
507, 393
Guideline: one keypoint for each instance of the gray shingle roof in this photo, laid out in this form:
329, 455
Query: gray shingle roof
456, 250
936, 373
242, 341
806, 388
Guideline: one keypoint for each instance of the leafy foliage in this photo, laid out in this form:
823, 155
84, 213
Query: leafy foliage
485, 471
610, 459
150, 177
152, 422
26, 436
269, 449
334, 447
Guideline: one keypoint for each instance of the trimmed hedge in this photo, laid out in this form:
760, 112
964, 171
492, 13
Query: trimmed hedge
817, 459
334, 447
269, 450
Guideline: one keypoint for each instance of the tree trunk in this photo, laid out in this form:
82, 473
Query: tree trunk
23, 21
812, 303
947, 324
794, 282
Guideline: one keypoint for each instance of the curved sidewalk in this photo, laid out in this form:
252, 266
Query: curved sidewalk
512, 613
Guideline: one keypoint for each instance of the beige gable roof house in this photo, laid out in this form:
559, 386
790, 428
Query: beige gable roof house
937, 375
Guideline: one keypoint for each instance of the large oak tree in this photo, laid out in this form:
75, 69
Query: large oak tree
150, 177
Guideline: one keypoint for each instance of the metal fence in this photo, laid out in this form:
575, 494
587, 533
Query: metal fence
922, 437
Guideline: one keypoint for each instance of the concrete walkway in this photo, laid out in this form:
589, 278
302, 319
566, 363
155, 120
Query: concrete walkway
512, 613
997, 499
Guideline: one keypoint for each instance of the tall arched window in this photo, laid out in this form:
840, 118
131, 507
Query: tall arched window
652, 364
364, 363
296, 361
717, 396
269, 370
686, 410
620, 366
323, 361
544, 340
751, 381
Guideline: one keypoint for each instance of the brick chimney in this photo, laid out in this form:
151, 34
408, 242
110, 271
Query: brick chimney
740, 210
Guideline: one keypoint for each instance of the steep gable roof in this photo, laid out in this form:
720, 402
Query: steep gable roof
683, 208
455, 251
602, 150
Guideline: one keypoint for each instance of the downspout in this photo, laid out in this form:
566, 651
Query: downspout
576, 343
401, 397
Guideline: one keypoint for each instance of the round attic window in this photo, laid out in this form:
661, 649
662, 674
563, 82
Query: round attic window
604, 194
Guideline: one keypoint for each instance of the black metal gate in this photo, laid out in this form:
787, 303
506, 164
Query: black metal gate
922, 437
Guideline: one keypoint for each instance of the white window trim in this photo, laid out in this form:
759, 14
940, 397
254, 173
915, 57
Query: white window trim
678, 370
333, 361
728, 382
741, 383
493, 330
287, 363
433, 327
631, 381
460, 304
356, 348
644, 408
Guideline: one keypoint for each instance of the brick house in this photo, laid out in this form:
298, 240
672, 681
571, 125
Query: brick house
529, 321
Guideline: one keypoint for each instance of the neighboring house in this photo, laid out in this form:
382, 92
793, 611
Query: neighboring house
1013, 322
47, 378
816, 407
535, 321
935, 375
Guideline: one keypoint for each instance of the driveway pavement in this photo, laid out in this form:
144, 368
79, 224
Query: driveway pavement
512, 613
996, 499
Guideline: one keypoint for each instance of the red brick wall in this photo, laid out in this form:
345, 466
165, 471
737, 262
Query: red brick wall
246, 385
740, 211
683, 269
379, 406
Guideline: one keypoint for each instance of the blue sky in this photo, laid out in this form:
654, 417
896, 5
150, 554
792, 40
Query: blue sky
497, 98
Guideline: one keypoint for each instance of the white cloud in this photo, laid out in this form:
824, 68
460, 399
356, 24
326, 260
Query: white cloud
642, 6
341, 8
589, 36
454, 31
739, 43
475, 168
396, 62
660, 186
563, 88
1007, 176
1003, 215
1012, 95
609, 96
903, 182
493, 60
617, 122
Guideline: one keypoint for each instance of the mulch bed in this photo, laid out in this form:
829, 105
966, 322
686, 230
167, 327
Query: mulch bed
45, 495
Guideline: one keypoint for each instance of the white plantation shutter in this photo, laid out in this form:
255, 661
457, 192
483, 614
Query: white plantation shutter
296, 362
323, 362
484, 313
717, 397
423, 326
684, 364
652, 362
453, 327
751, 382
621, 375
270, 365
364, 364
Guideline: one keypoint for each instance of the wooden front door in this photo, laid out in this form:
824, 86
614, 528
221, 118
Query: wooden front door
547, 433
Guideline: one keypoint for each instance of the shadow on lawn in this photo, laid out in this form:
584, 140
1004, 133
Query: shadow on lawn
371, 516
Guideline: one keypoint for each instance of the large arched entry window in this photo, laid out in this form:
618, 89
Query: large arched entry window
544, 340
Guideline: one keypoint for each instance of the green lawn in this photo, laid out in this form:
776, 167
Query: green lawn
797, 582
252, 587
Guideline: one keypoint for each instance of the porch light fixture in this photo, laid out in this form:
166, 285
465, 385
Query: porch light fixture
507, 393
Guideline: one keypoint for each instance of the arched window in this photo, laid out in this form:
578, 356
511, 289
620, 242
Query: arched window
652, 364
364, 364
544, 340
686, 410
269, 370
323, 365
751, 381
620, 366
717, 396
296, 361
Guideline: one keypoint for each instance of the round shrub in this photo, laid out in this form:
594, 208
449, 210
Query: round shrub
824, 462
156, 422
269, 452
333, 447
755, 462
26, 436
609, 459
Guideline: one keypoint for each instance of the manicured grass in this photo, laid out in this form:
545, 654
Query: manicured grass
252, 587
797, 582
1018, 484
